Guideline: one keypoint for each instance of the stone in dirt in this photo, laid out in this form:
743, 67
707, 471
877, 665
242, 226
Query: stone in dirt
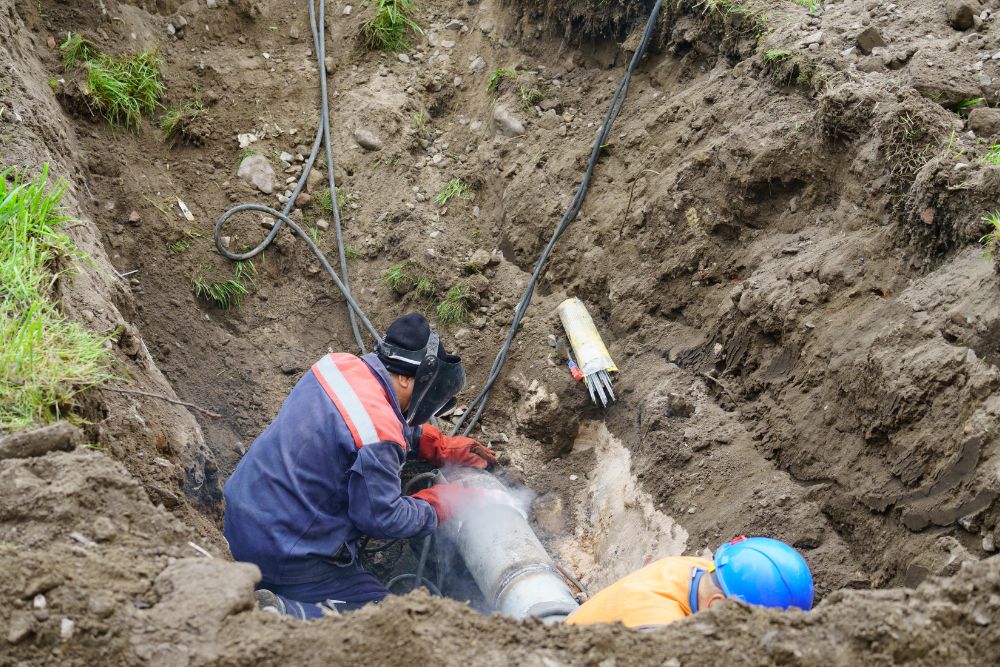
367, 139
985, 122
506, 123
961, 13
40, 441
258, 172
940, 77
869, 39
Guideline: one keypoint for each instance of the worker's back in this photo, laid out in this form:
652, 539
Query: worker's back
655, 595
287, 503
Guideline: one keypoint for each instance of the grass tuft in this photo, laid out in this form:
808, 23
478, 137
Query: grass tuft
499, 75
991, 241
530, 97
45, 359
423, 124
387, 30
456, 188
424, 287
812, 6
992, 156
775, 55
967, 105
227, 294
121, 88
454, 308
175, 121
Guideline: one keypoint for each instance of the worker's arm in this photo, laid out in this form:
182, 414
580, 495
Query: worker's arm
375, 503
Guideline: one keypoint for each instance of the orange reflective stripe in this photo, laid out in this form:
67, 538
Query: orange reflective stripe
360, 399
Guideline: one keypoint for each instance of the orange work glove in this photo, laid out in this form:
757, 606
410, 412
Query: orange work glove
446, 499
437, 449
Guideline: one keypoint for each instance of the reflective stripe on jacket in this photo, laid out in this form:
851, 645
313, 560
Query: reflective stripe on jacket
325, 472
657, 594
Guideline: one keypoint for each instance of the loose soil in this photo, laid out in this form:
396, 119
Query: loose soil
779, 247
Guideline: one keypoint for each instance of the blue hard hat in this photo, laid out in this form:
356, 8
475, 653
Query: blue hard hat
763, 571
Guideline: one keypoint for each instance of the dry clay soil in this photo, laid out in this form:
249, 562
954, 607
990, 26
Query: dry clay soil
779, 246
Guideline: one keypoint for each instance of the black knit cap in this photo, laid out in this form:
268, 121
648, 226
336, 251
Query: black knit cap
410, 332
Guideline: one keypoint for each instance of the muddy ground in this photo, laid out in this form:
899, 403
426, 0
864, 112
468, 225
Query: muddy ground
779, 246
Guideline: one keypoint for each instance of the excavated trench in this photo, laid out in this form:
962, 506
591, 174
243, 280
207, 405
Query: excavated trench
803, 354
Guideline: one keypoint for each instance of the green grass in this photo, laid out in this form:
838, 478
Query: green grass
454, 308
245, 153
123, 88
387, 30
45, 359
424, 287
775, 55
499, 75
992, 156
456, 188
175, 121
179, 246
811, 5
76, 50
351, 252
966, 105
530, 97
396, 277
423, 124
227, 294
991, 241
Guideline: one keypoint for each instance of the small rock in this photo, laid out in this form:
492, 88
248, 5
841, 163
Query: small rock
454, 24
286, 157
51, 42
573, 478
961, 14
985, 122
322, 224
447, 44
39, 602
480, 260
211, 4
477, 65
347, 10
21, 625
134, 217
257, 171
869, 39
367, 139
486, 27
506, 123
316, 180
304, 199
403, 58
814, 38
66, 628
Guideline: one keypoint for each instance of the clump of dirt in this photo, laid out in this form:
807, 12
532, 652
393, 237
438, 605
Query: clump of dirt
780, 248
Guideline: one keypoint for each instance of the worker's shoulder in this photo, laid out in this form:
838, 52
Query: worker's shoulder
361, 398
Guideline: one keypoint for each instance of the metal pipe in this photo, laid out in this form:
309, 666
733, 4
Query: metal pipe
505, 557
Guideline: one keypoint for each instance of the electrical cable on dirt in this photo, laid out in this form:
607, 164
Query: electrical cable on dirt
614, 108
317, 25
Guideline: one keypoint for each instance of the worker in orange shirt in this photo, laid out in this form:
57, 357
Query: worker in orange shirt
757, 570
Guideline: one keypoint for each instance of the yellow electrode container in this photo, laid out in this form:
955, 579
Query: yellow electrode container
591, 353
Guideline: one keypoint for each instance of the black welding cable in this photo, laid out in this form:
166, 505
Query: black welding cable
317, 26
614, 108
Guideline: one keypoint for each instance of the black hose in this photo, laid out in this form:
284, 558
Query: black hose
614, 108
316, 25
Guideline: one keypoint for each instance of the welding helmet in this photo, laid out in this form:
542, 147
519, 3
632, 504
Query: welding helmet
762, 571
437, 375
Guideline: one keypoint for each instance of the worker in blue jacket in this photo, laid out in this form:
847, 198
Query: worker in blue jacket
327, 471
